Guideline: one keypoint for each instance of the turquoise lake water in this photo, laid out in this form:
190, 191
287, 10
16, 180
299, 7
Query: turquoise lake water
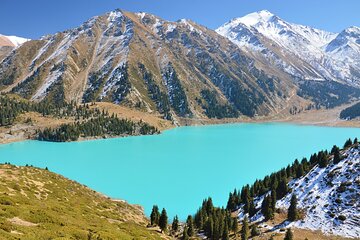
180, 167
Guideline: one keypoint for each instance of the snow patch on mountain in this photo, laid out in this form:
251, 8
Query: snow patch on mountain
331, 56
329, 197
16, 41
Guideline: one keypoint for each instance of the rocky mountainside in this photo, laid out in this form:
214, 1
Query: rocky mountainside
327, 196
304, 52
330, 197
178, 69
8, 43
11, 41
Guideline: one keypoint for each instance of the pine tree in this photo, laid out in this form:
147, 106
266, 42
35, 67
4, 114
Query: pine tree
348, 143
185, 234
209, 227
292, 211
154, 216
322, 159
175, 224
190, 226
254, 231
199, 219
289, 235
299, 171
273, 200
245, 229
337, 157
235, 226
231, 204
266, 208
163, 221
225, 235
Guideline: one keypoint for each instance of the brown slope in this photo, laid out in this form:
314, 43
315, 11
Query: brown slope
99, 61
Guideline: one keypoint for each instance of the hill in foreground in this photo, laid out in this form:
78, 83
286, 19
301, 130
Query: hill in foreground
38, 204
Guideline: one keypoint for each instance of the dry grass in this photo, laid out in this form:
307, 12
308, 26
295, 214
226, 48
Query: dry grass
135, 115
38, 204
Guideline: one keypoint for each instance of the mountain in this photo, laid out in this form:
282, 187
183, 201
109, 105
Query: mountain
327, 189
330, 197
11, 41
8, 43
304, 52
178, 69
38, 204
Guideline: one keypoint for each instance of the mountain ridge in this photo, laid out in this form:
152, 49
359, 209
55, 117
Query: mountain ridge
179, 69
256, 31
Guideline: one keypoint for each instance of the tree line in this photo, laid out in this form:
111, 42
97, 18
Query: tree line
100, 126
217, 223
11, 108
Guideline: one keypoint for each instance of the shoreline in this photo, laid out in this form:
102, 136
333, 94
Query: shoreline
322, 117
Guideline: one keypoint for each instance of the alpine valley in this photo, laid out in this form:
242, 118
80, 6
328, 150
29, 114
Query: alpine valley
125, 74
257, 65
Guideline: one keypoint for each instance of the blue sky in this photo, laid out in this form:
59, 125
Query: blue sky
34, 18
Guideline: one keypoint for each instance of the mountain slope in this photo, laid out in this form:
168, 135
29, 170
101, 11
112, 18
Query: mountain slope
11, 41
38, 204
8, 43
330, 197
327, 192
304, 52
178, 69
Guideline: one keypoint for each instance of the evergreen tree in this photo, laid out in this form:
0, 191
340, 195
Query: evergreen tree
292, 211
175, 224
348, 143
154, 216
282, 189
231, 204
322, 159
185, 235
289, 235
299, 171
273, 200
199, 219
235, 226
245, 229
163, 221
252, 209
225, 235
209, 227
337, 157
254, 231
190, 226
266, 208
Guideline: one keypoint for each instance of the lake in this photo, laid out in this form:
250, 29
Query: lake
180, 167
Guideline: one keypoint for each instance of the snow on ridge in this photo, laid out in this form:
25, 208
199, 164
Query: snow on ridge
170, 28
254, 18
329, 196
332, 56
16, 41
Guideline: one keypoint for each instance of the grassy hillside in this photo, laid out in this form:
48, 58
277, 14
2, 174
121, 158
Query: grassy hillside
38, 204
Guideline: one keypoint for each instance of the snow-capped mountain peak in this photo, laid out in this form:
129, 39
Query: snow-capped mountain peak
301, 51
12, 41
255, 18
